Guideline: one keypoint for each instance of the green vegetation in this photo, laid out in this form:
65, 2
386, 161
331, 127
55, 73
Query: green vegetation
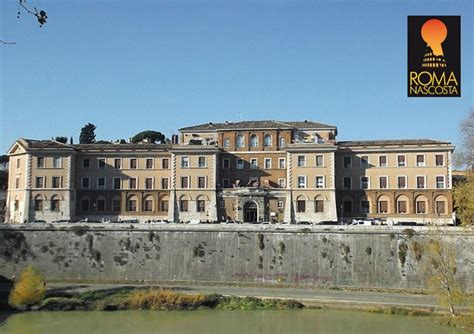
29, 289
463, 195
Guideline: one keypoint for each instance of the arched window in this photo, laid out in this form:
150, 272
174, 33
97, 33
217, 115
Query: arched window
421, 205
319, 204
282, 141
253, 141
347, 204
364, 205
240, 141
39, 203
402, 204
383, 204
183, 204
200, 204
164, 203
55, 203
85, 204
100, 203
116, 204
132, 203
441, 205
267, 141
148, 204
301, 204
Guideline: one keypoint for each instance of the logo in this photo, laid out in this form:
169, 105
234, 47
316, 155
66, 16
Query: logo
434, 56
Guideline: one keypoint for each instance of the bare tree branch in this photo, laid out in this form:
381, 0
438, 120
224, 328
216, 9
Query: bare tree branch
41, 15
8, 43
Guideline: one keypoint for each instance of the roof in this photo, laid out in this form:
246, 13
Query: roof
264, 124
391, 142
44, 144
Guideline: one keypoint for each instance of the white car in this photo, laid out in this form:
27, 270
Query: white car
194, 221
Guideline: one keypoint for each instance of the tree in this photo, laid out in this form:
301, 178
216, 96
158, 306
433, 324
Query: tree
40, 15
61, 139
465, 155
30, 288
439, 269
463, 195
87, 134
4, 162
149, 136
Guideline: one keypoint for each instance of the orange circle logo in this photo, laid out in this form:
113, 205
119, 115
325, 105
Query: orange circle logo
434, 32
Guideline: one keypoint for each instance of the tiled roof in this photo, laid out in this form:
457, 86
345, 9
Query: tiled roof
265, 124
52, 144
45, 144
390, 142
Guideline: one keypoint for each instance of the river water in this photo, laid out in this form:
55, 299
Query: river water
216, 321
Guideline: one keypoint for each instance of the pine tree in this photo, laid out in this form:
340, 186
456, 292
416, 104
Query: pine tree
87, 134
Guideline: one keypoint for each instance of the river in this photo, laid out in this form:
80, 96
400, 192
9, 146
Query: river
217, 321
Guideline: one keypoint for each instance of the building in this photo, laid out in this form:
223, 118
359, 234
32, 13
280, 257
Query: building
248, 171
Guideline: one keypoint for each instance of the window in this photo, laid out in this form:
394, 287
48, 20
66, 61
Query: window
401, 161
226, 142
183, 205
420, 182
253, 141
440, 207
55, 203
165, 163
383, 206
56, 162
101, 205
365, 206
347, 162
282, 163
85, 183
253, 163
85, 205
347, 206
164, 183
56, 182
319, 181
420, 207
440, 182
132, 205
17, 182
116, 205
148, 204
282, 142
101, 163
364, 182
149, 163
225, 183
402, 207
301, 205
18, 163
267, 141
383, 180
202, 162
201, 182
16, 205
267, 163
164, 205
347, 182
383, 161
318, 205
184, 162
117, 182
133, 183
133, 163
280, 204
86, 163
226, 163
240, 142
39, 162
101, 183
281, 183
402, 182
200, 205
301, 160
38, 204
364, 161
149, 183
420, 160
301, 181
240, 163
184, 182
40, 182
117, 163
319, 160
439, 160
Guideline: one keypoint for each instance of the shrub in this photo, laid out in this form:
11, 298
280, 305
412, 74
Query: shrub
29, 289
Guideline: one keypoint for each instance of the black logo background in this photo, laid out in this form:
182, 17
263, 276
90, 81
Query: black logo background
451, 49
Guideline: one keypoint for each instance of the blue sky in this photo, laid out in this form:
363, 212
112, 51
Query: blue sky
128, 66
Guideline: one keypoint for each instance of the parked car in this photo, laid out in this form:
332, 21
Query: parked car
304, 222
38, 222
328, 222
362, 221
129, 221
194, 221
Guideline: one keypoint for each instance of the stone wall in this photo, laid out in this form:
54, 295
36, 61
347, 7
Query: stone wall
370, 257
